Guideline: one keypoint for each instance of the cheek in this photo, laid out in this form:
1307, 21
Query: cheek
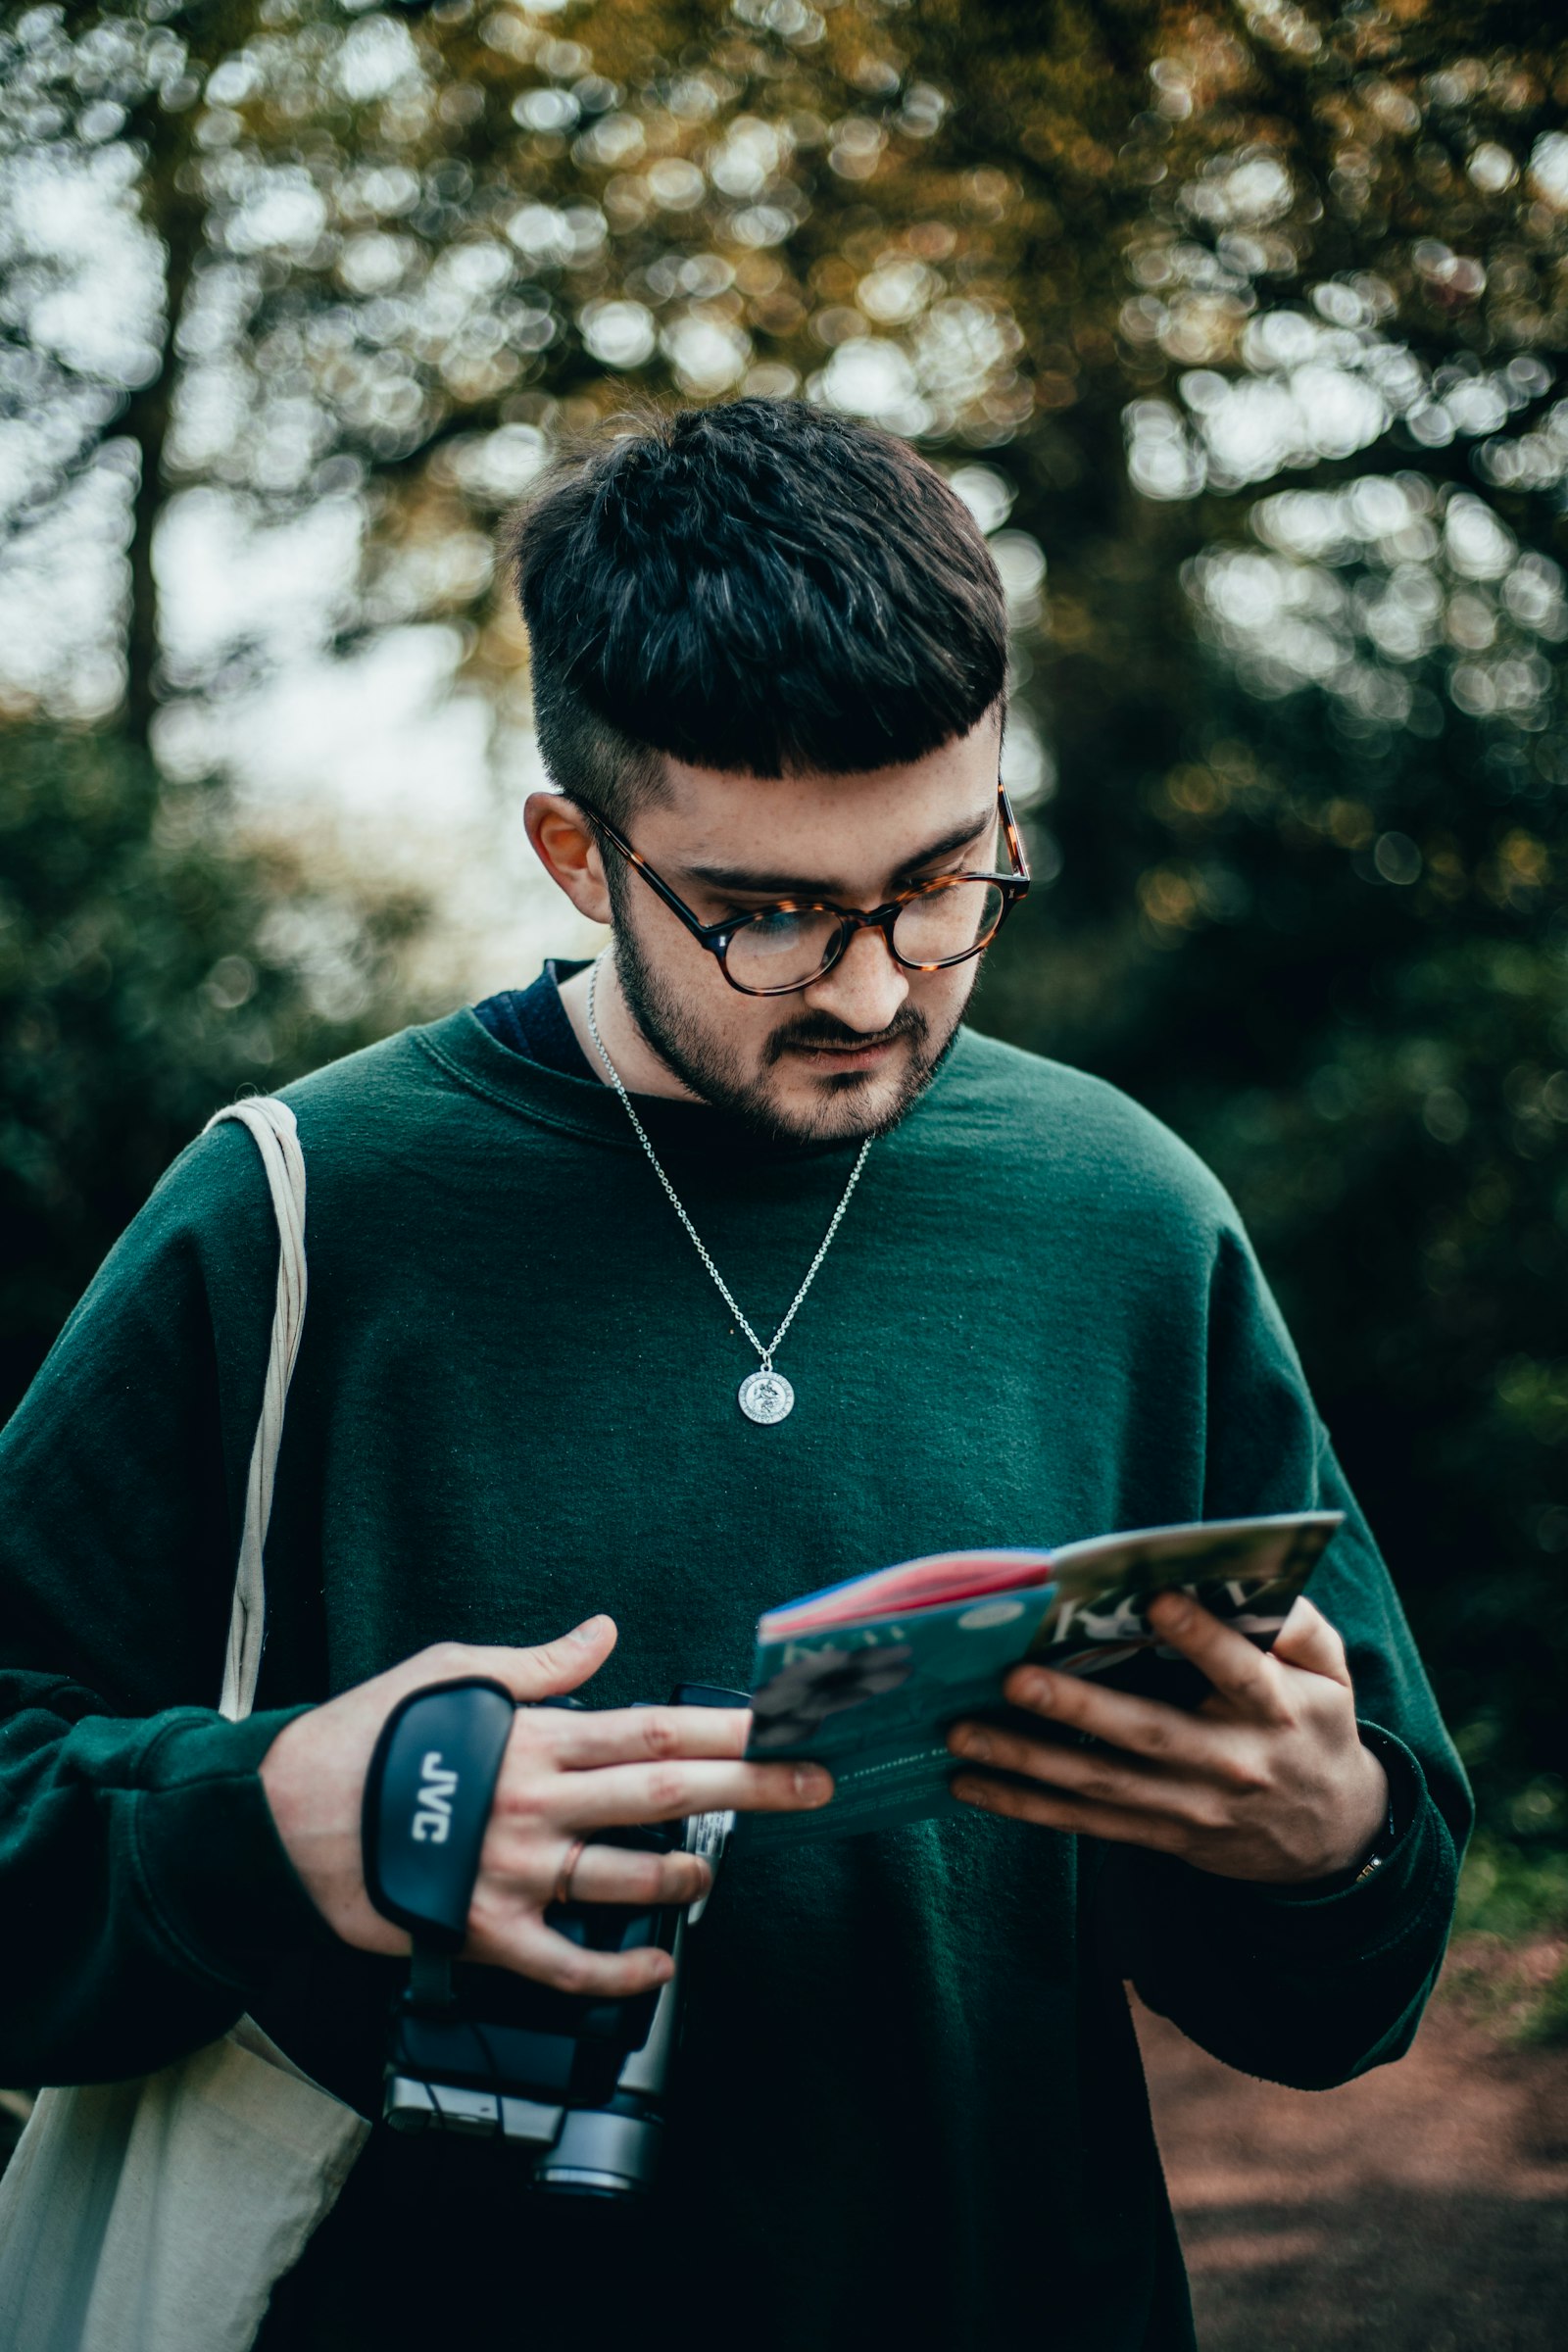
686, 977
696, 997
942, 996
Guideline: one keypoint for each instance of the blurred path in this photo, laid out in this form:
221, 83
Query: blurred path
1422, 2209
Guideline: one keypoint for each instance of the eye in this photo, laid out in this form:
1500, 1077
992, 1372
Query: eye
775, 918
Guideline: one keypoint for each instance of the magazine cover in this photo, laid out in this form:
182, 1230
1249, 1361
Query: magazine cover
867, 1676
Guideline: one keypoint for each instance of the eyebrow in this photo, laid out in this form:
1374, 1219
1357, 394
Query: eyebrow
796, 886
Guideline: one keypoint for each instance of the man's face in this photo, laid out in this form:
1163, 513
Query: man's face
846, 1056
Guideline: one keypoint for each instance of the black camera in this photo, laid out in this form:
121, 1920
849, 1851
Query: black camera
481, 2050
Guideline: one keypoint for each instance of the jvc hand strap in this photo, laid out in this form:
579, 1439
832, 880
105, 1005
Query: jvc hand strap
428, 1797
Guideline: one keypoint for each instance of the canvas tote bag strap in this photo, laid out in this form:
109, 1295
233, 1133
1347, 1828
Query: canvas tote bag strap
276, 1134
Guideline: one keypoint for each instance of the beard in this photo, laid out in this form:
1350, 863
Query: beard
716, 1073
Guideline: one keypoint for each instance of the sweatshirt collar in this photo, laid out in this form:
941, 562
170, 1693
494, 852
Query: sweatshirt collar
586, 1108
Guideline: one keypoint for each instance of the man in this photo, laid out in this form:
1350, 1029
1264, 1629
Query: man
769, 654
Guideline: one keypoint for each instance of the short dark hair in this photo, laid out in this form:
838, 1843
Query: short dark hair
760, 586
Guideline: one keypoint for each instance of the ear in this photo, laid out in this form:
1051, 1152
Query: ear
568, 852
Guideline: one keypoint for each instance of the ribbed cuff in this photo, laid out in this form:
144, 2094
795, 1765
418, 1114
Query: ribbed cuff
217, 1872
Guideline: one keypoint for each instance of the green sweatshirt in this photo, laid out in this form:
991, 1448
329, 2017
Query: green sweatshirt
910, 2108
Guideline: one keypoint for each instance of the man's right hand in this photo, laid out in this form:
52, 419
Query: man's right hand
566, 1773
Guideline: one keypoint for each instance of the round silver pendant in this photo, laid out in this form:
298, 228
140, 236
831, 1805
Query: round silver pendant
765, 1397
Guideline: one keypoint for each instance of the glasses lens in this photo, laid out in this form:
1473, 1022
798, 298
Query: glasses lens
949, 922
781, 950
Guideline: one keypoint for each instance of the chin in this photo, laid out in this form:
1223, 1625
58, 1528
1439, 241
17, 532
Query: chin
842, 1110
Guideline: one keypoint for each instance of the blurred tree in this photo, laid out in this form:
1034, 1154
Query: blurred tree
150, 968
1297, 753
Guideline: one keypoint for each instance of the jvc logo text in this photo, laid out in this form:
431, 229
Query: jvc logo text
432, 1816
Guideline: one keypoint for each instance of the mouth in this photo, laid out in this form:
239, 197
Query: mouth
843, 1060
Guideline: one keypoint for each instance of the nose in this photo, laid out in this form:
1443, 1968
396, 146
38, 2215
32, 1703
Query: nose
865, 987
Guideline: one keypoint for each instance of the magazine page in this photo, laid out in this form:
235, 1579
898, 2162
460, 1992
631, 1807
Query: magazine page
872, 1698
945, 1576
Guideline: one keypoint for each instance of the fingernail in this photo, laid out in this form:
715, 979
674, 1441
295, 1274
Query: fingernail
976, 1745
588, 1628
809, 1782
1174, 1608
1034, 1689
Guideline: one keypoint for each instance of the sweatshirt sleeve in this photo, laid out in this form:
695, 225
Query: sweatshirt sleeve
1303, 1985
144, 1886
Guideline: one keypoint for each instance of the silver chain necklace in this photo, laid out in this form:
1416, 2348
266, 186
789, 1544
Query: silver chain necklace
765, 1395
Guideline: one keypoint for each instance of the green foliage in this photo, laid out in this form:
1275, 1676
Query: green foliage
149, 969
1511, 1892
1509, 1958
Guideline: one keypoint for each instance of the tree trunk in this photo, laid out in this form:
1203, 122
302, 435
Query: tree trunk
175, 210
176, 217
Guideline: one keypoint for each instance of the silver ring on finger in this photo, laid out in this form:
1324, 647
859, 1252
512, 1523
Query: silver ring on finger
564, 1877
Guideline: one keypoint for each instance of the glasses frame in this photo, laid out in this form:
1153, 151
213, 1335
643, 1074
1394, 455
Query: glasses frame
717, 938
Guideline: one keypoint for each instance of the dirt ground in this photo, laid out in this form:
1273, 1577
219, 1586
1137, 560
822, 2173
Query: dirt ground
1422, 2209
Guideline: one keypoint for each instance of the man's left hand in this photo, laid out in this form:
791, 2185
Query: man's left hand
1267, 1780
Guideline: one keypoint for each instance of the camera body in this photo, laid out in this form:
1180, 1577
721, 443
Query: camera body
482, 2051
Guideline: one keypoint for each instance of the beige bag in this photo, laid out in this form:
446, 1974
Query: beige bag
157, 2215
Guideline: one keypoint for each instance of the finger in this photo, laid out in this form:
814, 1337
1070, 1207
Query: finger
1307, 1639
1147, 1727
1241, 1673
1075, 1815
613, 1874
529, 1948
623, 1793
1094, 1777
634, 1734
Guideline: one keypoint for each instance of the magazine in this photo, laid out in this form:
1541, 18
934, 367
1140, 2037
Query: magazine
867, 1676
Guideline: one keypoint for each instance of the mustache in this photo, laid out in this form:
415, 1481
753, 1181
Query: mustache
813, 1031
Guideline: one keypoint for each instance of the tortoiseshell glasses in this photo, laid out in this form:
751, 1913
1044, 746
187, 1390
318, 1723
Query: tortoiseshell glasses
776, 950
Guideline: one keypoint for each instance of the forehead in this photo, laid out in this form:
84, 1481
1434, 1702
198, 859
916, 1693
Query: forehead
846, 829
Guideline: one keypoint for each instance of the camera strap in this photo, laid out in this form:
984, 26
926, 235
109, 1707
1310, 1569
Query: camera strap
428, 1797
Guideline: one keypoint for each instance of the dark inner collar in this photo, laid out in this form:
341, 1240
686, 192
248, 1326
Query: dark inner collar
533, 1022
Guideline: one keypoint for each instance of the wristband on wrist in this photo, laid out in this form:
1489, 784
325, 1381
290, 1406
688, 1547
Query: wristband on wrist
1387, 1837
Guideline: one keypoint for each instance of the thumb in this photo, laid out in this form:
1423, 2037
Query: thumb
1307, 1640
552, 1667
562, 1664
543, 1672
